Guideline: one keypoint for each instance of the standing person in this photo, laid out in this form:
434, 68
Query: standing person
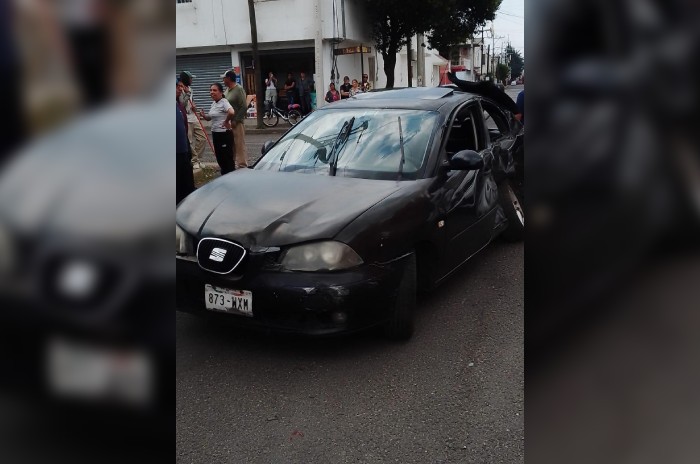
520, 103
345, 87
184, 180
365, 85
237, 98
332, 94
355, 89
221, 114
304, 86
271, 88
12, 132
290, 87
195, 133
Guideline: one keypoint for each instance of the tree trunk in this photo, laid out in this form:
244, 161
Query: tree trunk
389, 57
409, 70
259, 90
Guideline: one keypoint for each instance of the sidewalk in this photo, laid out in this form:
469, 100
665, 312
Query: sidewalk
251, 127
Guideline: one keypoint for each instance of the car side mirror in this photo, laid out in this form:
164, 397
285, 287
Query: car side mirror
266, 147
466, 160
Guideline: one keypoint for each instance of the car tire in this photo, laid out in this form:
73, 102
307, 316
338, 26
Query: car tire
513, 210
271, 119
400, 324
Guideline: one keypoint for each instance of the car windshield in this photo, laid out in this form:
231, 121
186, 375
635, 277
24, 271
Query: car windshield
371, 149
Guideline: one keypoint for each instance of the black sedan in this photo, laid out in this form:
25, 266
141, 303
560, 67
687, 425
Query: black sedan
352, 212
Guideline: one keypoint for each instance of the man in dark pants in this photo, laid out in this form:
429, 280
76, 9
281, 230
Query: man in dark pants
12, 131
184, 177
304, 86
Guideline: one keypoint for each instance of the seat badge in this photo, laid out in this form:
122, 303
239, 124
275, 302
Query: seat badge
217, 254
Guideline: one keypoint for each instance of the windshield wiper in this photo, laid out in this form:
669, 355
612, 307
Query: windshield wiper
403, 156
339, 141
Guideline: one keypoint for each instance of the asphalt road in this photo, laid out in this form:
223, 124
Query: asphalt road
452, 394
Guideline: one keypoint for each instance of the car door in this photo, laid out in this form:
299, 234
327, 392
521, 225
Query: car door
468, 196
505, 136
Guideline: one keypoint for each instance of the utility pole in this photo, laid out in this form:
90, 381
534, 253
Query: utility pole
488, 60
481, 61
493, 47
409, 61
259, 90
420, 57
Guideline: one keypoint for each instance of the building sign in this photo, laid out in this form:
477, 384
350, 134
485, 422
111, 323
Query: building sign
352, 50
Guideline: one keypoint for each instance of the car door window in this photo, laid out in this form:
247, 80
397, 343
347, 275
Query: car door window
495, 120
463, 134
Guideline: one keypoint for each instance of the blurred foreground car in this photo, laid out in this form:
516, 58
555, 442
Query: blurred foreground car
85, 295
351, 212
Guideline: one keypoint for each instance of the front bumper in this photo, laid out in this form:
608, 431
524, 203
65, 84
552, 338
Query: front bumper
310, 303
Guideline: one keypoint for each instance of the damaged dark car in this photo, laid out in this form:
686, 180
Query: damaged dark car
351, 213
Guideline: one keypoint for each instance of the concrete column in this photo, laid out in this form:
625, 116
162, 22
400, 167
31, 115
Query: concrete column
320, 76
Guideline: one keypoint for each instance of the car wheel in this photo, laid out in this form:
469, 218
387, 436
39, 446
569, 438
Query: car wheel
514, 211
400, 324
270, 119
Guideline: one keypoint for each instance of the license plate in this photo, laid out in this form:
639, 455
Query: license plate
90, 372
228, 301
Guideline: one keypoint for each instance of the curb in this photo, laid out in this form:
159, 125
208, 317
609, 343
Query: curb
272, 130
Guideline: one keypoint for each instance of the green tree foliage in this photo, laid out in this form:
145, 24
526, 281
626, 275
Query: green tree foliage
445, 22
502, 72
516, 61
454, 21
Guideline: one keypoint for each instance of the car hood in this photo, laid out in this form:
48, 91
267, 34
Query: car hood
264, 208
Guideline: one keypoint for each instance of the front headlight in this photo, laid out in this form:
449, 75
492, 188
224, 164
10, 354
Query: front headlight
322, 256
183, 242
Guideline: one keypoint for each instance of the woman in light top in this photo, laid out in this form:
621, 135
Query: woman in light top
355, 89
221, 114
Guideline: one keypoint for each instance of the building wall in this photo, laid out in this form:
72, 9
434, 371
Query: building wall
215, 26
206, 23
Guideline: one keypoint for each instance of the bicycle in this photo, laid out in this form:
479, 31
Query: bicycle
272, 114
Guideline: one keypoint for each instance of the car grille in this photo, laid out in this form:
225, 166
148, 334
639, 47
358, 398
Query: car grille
219, 256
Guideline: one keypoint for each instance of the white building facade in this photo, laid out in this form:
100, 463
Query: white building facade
213, 36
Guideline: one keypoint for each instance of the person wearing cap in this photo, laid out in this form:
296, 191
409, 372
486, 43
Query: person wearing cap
237, 98
184, 180
365, 86
195, 133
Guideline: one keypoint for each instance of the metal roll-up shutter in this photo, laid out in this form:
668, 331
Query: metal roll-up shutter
208, 68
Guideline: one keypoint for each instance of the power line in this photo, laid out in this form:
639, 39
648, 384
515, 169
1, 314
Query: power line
510, 14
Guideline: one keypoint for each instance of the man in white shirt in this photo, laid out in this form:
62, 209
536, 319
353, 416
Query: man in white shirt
271, 88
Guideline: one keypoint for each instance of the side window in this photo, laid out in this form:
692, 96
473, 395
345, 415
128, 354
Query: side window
463, 133
495, 120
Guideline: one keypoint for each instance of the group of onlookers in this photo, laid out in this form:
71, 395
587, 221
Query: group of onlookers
347, 89
297, 90
227, 115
